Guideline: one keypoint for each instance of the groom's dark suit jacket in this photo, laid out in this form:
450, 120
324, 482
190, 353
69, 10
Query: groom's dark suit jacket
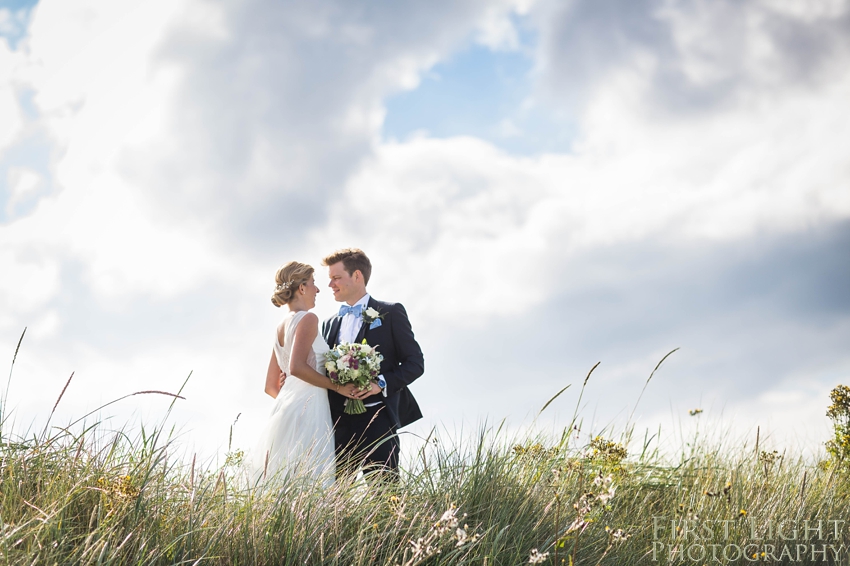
403, 361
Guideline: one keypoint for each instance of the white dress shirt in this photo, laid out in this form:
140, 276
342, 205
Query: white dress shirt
351, 324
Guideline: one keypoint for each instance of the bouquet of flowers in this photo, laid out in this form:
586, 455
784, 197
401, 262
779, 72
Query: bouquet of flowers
354, 363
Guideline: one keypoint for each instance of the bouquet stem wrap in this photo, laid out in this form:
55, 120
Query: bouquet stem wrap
354, 363
354, 407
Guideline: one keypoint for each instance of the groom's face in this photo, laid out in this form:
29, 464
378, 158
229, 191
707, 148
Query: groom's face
345, 287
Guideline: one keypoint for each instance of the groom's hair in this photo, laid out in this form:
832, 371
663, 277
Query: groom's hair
352, 259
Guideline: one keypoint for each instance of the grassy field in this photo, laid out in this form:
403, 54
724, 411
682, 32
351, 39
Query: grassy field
86, 495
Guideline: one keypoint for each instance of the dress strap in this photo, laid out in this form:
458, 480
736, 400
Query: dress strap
293, 322
291, 325
284, 350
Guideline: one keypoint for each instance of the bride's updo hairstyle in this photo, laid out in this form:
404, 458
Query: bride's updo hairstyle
288, 279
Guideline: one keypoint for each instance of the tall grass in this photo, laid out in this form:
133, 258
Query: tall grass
87, 495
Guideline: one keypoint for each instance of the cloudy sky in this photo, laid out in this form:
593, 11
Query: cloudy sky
544, 184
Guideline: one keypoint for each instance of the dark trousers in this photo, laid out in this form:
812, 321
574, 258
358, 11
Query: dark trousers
367, 440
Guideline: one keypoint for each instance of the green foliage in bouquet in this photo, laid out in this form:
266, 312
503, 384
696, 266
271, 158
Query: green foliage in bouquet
354, 363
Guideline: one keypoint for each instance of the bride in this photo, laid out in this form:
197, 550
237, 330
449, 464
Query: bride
298, 438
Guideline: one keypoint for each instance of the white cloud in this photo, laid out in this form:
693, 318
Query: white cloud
27, 285
10, 120
22, 182
467, 209
508, 129
190, 143
162, 158
497, 31
480, 238
695, 56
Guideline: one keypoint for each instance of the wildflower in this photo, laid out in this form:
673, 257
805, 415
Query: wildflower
727, 489
768, 459
602, 481
742, 513
606, 495
463, 537
608, 451
617, 536
578, 525
840, 407
582, 506
397, 507
694, 412
448, 520
839, 413
536, 557
421, 548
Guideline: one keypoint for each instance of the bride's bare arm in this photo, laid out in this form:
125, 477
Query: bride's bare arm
302, 346
273, 378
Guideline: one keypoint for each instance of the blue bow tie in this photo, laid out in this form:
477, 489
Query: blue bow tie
356, 310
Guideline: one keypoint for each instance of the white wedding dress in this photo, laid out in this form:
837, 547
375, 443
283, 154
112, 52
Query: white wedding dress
298, 438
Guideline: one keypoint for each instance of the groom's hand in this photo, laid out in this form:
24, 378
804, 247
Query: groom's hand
282, 379
373, 390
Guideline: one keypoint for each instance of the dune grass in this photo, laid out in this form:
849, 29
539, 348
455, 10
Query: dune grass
93, 498
87, 495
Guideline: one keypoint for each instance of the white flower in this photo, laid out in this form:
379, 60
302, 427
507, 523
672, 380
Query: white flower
330, 366
537, 557
449, 518
578, 524
604, 497
603, 481
372, 313
619, 536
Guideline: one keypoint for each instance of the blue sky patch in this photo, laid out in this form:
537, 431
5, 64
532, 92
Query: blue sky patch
14, 19
482, 93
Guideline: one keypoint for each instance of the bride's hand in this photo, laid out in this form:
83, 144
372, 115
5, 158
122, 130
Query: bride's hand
349, 391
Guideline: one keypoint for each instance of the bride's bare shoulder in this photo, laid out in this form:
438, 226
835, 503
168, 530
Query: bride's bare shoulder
310, 318
308, 323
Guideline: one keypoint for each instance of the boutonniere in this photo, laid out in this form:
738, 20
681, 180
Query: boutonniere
372, 317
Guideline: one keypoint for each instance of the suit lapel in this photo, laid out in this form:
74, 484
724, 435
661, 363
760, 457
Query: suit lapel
361, 334
333, 336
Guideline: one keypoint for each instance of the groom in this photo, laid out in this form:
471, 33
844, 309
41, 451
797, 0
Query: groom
370, 439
